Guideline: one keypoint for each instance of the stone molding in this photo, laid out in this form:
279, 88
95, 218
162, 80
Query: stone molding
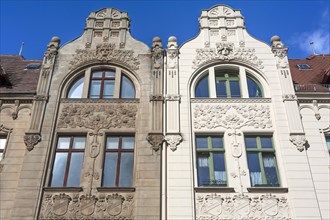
31, 140
299, 141
18, 105
241, 100
105, 53
226, 52
231, 116
239, 207
97, 117
74, 206
156, 140
156, 97
97, 101
172, 97
173, 140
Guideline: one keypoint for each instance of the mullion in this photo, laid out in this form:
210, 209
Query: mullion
118, 161
68, 162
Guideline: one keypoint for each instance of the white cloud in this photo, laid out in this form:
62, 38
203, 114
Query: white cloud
320, 36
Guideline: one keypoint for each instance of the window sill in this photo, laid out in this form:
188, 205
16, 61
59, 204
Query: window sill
268, 189
63, 189
214, 189
115, 189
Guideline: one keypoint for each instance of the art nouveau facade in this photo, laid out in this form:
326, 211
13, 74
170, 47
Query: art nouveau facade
210, 130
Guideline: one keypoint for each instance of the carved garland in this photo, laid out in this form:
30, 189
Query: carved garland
105, 53
226, 52
231, 116
64, 206
213, 206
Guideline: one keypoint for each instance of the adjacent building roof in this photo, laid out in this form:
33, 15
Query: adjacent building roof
18, 75
311, 74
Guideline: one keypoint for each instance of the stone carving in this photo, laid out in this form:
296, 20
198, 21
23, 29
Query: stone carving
105, 53
289, 97
31, 140
279, 51
300, 141
156, 140
173, 140
97, 117
172, 53
224, 52
156, 98
214, 206
157, 53
236, 147
75, 206
231, 116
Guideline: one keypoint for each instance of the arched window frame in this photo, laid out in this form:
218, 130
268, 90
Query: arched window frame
243, 73
87, 74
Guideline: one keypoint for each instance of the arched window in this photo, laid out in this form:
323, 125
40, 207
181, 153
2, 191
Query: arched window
76, 90
253, 87
102, 84
228, 81
202, 88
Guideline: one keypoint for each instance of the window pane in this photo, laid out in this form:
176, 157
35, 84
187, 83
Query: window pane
63, 143
270, 169
328, 142
220, 177
254, 168
59, 169
109, 86
75, 169
76, 89
128, 142
250, 142
201, 142
95, 89
126, 169
127, 88
110, 74
109, 172
97, 74
266, 142
2, 143
203, 170
235, 90
79, 143
202, 88
217, 142
112, 142
221, 88
254, 89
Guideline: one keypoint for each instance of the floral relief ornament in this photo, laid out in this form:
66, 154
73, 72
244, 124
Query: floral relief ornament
97, 117
232, 116
173, 141
300, 141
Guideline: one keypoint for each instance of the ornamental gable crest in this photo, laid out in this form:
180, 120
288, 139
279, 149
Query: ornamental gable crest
105, 53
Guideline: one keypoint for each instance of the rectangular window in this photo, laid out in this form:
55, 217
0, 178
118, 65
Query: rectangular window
102, 85
210, 160
227, 84
261, 161
3, 141
68, 161
118, 161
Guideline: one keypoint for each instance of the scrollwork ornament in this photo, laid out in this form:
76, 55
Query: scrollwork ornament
105, 53
300, 141
173, 141
31, 140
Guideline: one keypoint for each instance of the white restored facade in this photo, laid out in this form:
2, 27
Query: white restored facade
214, 128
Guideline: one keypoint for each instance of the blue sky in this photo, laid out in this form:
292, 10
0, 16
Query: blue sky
35, 22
